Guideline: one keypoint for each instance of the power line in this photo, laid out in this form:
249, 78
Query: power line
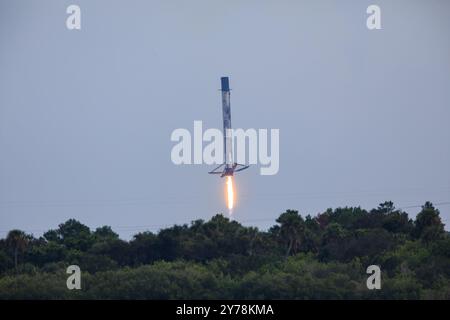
146, 227
176, 200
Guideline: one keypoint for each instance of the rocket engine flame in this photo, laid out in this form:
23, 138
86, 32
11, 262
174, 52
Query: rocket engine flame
230, 193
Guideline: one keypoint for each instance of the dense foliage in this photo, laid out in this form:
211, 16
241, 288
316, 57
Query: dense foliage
321, 257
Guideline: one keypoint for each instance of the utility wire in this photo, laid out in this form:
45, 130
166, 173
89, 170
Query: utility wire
247, 221
176, 200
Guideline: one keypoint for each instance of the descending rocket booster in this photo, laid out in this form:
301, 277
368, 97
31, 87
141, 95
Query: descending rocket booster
227, 133
229, 166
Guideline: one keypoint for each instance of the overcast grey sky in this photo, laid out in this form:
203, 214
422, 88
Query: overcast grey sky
86, 116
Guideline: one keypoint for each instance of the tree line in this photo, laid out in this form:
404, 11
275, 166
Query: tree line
300, 257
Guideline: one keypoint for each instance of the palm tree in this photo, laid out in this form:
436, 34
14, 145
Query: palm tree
17, 240
291, 230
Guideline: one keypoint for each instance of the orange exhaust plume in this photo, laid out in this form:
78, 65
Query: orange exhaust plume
230, 193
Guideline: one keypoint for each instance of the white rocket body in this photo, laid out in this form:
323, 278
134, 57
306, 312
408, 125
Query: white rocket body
227, 132
230, 167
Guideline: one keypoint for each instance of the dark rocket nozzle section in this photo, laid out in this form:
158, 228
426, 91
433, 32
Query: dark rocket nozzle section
225, 84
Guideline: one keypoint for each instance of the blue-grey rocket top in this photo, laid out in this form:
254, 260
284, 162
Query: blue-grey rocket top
225, 84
